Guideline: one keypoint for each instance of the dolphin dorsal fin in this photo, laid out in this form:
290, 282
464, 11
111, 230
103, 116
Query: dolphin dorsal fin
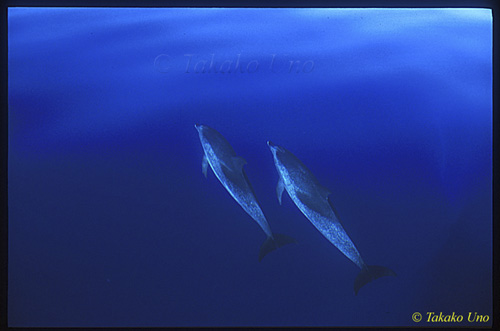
324, 191
279, 189
238, 162
334, 210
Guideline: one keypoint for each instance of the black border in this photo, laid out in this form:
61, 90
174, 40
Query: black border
260, 4
490, 4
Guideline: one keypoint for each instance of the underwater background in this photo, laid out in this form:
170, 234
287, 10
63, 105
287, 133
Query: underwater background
112, 223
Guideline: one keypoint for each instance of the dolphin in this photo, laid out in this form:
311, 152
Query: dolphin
312, 200
228, 168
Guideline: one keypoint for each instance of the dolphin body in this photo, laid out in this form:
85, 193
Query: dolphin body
312, 200
228, 168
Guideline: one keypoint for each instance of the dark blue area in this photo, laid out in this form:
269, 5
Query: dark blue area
111, 222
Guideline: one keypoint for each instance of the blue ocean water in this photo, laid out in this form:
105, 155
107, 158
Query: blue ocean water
112, 223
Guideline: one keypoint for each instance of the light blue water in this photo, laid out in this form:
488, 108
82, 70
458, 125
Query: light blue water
111, 222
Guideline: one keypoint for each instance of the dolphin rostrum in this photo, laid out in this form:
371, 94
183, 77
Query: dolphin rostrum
312, 200
228, 168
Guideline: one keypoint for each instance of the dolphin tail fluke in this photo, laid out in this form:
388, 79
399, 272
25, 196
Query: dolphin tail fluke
273, 242
369, 273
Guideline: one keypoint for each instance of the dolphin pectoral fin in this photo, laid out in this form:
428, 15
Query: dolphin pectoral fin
279, 189
204, 165
274, 242
238, 163
369, 273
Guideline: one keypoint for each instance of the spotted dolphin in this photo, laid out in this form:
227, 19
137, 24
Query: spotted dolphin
312, 200
228, 168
